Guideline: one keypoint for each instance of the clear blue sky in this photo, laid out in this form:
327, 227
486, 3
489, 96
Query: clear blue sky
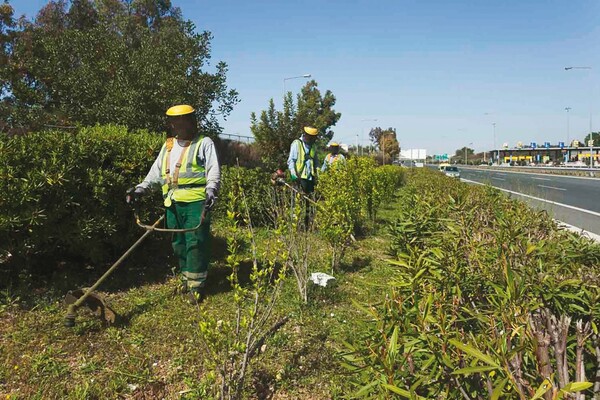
440, 72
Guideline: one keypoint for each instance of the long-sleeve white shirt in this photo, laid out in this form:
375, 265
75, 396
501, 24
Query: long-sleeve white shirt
207, 156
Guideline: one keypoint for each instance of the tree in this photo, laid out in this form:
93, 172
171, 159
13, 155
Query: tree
110, 61
389, 144
595, 136
275, 130
461, 153
375, 135
385, 140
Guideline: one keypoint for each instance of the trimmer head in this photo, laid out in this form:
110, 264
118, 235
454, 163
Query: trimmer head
93, 301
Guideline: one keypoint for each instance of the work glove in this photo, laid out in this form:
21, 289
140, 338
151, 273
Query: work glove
211, 197
134, 194
294, 178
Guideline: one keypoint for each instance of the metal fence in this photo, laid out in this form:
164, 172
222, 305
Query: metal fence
237, 138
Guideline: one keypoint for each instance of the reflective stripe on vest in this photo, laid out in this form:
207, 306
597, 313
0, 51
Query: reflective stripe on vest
192, 177
301, 161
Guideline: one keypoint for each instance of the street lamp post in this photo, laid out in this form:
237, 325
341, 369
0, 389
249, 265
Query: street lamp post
470, 144
363, 125
567, 109
498, 153
293, 77
590, 100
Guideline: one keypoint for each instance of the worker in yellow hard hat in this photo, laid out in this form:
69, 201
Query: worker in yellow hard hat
333, 156
302, 160
303, 165
187, 169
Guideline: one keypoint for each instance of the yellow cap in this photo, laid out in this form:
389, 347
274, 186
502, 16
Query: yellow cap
181, 109
333, 144
311, 131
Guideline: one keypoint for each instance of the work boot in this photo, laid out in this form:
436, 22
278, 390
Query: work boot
195, 296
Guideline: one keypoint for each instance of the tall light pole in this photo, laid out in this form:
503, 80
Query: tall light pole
293, 77
470, 144
498, 154
567, 109
590, 100
363, 125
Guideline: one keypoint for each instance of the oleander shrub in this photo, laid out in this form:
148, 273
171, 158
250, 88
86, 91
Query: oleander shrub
62, 194
490, 300
259, 192
350, 194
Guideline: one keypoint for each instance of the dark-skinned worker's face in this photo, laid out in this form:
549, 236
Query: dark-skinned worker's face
184, 126
310, 138
335, 149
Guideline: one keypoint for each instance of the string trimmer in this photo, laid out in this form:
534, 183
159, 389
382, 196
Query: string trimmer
278, 179
95, 301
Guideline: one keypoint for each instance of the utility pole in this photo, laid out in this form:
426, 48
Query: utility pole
568, 130
590, 100
383, 146
498, 154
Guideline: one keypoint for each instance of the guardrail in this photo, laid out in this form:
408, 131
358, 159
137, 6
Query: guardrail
570, 170
237, 138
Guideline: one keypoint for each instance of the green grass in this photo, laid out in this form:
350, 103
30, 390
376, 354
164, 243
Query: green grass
154, 350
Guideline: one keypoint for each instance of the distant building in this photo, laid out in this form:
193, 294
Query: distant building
547, 154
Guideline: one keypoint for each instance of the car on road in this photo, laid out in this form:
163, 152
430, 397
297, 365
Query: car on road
443, 166
452, 172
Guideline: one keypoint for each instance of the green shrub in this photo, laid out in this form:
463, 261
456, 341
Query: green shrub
62, 193
259, 193
350, 193
482, 303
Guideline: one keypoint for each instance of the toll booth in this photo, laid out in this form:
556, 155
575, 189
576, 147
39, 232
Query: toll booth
548, 154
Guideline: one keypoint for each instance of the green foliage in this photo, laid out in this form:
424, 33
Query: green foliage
594, 135
386, 141
275, 130
120, 61
482, 301
231, 342
350, 192
259, 193
62, 194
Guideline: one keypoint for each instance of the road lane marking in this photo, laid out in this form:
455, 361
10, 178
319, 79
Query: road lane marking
539, 199
582, 232
542, 179
498, 179
535, 173
552, 187
498, 173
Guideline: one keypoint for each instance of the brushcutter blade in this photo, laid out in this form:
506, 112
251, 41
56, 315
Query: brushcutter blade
94, 302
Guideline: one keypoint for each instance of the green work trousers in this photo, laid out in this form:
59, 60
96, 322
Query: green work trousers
191, 248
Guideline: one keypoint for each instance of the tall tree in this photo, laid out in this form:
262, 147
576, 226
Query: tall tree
388, 143
275, 130
595, 136
385, 140
111, 61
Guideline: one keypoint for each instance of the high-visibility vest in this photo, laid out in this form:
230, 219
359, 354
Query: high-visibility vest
330, 159
301, 161
191, 183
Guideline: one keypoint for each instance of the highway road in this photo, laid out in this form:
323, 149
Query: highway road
573, 200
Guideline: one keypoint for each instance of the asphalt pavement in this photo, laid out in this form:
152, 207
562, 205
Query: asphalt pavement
572, 200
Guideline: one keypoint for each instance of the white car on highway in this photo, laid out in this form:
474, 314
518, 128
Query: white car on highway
452, 172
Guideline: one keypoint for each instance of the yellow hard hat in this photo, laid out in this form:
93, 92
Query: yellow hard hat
311, 131
181, 109
334, 144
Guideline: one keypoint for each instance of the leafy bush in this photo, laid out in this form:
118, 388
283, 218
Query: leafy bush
349, 192
482, 303
259, 193
62, 193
